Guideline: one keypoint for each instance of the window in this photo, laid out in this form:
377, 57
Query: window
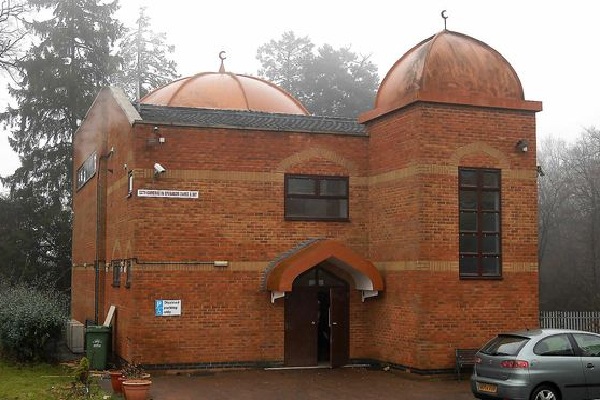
589, 344
557, 346
479, 223
505, 344
318, 277
316, 198
117, 266
86, 171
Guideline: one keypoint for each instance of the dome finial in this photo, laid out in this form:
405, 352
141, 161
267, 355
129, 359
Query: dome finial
222, 57
445, 18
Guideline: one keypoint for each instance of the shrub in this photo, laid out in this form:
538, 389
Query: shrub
29, 318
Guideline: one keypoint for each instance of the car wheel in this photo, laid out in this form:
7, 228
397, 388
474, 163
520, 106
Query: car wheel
545, 393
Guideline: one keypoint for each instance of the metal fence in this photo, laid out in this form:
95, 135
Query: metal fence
582, 320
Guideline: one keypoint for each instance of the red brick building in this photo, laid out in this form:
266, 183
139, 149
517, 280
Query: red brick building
230, 228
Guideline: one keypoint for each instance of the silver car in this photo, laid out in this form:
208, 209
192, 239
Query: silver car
541, 364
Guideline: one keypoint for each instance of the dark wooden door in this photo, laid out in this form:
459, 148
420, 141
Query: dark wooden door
300, 335
340, 326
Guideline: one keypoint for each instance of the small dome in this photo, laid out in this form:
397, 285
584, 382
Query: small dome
226, 91
451, 67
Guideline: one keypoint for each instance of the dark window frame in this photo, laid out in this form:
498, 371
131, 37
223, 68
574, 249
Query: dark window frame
317, 195
117, 266
482, 232
86, 171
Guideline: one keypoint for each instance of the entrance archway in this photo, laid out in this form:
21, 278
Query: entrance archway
281, 272
317, 322
316, 277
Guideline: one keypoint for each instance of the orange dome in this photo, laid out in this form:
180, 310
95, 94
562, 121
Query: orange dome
227, 91
451, 67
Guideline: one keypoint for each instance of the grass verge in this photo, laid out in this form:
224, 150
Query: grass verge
44, 382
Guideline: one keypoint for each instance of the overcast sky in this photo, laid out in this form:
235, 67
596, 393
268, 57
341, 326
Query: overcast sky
553, 46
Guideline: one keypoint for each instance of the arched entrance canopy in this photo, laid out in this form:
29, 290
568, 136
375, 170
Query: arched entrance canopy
282, 272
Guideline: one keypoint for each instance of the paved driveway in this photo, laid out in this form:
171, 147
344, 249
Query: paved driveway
339, 384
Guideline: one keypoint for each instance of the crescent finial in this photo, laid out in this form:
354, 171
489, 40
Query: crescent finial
222, 57
445, 18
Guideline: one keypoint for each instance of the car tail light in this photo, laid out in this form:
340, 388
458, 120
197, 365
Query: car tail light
514, 364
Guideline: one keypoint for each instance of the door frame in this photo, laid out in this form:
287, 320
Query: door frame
301, 319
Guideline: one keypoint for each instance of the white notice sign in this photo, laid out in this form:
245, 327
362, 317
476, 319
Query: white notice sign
172, 194
167, 308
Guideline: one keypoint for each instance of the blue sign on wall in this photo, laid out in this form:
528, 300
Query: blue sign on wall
158, 308
163, 308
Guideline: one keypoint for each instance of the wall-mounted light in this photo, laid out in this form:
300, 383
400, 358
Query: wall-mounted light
159, 169
522, 145
156, 138
159, 138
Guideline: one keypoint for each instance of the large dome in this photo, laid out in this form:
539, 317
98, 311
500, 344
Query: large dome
226, 91
451, 67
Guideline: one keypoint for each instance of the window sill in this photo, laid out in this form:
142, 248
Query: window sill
312, 219
481, 278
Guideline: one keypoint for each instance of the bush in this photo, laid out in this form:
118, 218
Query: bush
29, 318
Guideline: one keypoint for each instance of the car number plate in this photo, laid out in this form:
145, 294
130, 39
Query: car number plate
487, 387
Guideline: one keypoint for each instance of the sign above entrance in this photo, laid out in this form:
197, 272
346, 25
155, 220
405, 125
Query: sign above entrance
167, 308
172, 194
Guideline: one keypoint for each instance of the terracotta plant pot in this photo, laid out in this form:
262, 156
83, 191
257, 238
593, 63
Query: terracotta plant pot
116, 381
136, 389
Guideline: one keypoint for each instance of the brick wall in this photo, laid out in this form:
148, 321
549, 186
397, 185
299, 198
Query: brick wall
240, 179
427, 311
403, 217
90, 203
224, 317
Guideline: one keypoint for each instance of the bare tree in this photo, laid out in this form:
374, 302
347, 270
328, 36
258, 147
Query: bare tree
556, 281
12, 33
569, 220
552, 193
584, 167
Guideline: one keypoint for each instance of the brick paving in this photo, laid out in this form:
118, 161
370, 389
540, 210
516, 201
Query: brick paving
341, 383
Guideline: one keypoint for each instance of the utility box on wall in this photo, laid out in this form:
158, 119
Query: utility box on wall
75, 330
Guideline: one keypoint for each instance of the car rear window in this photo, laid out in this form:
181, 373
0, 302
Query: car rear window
504, 345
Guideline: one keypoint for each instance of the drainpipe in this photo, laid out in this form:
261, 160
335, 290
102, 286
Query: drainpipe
99, 188
97, 255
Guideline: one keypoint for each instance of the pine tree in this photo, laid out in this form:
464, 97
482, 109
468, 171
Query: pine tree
340, 83
335, 83
284, 61
60, 76
145, 63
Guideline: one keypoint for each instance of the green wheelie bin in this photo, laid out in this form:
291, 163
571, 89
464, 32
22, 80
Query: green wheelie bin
97, 346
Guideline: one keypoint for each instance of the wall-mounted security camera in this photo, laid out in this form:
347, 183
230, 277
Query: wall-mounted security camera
159, 169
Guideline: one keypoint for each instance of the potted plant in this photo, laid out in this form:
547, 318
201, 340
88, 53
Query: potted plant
116, 380
136, 383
